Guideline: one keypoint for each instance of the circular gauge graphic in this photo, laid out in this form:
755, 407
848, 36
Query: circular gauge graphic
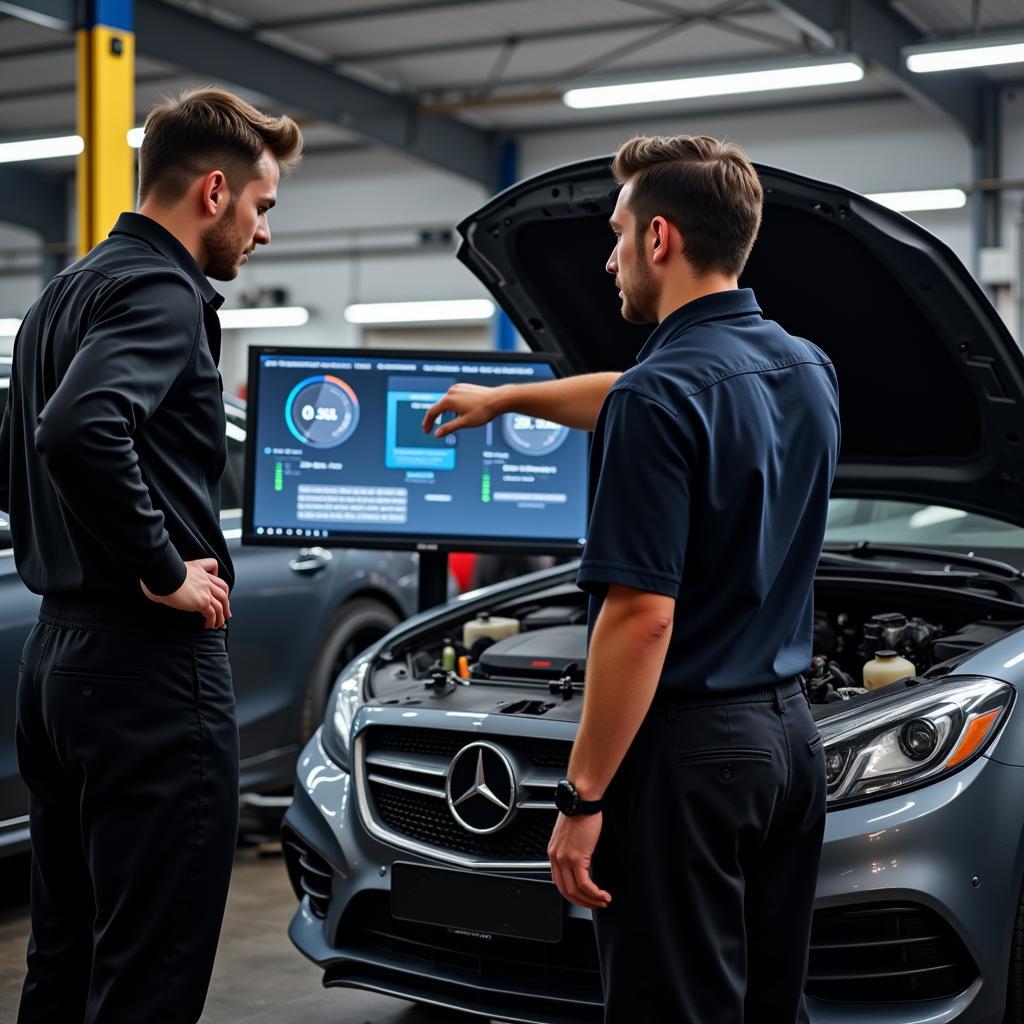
530, 435
322, 411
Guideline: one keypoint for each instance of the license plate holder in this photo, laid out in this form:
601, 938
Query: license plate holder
499, 905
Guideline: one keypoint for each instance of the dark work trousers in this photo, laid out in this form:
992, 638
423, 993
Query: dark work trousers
128, 744
710, 848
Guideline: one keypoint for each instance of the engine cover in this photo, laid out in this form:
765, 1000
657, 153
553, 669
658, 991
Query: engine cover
541, 654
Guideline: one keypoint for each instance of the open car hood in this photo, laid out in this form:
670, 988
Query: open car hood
931, 382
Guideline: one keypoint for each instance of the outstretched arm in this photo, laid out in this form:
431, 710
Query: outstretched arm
573, 401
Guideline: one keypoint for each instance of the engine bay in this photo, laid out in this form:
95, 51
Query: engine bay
528, 657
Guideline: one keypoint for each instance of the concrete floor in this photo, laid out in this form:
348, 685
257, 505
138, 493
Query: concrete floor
259, 977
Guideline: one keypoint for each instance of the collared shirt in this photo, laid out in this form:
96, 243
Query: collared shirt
112, 445
711, 468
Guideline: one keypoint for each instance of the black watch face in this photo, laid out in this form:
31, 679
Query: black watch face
566, 797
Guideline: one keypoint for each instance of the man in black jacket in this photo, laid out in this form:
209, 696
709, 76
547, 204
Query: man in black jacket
111, 451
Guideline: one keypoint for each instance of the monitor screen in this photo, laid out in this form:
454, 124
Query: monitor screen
337, 456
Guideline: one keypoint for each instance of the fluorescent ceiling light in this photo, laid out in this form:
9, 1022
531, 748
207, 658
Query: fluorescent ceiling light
48, 149
41, 149
419, 312
922, 199
791, 77
970, 53
230, 319
263, 316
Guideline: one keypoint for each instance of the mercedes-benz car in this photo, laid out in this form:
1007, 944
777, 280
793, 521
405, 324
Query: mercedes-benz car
297, 617
423, 804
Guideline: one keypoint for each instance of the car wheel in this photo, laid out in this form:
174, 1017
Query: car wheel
352, 628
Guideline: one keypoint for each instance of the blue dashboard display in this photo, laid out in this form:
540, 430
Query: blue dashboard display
337, 453
322, 411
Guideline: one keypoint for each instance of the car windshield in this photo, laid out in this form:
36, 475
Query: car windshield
908, 523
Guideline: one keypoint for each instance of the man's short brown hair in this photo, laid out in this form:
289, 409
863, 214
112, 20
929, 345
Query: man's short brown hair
210, 129
707, 188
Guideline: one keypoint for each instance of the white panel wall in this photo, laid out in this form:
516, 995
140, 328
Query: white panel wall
884, 146
343, 192
877, 146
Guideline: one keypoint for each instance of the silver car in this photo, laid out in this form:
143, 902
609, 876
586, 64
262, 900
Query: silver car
298, 617
414, 881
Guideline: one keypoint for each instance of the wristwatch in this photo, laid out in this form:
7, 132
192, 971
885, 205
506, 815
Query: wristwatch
570, 803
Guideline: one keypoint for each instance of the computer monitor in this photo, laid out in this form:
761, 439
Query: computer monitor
337, 456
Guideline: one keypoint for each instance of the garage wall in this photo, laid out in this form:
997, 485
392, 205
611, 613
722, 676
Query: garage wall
879, 146
357, 200
883, 146
366, 200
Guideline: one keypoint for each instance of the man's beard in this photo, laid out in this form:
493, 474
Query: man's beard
640, 295
224, 245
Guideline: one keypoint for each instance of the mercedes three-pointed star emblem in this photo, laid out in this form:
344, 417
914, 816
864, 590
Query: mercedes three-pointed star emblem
481, 788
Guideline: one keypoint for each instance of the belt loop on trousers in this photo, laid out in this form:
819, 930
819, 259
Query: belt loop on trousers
777, 700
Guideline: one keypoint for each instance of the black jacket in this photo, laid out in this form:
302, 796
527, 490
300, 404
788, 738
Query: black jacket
112, 445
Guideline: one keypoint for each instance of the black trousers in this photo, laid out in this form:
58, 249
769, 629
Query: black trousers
710, 850
128, 744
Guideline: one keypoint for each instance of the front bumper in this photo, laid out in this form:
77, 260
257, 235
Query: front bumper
943, 859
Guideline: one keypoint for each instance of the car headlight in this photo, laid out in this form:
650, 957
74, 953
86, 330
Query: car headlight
909, 738
342, 705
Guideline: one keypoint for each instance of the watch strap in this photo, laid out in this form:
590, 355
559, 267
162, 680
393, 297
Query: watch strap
571, 804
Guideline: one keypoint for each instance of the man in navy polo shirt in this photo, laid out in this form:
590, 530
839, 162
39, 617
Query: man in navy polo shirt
694, 807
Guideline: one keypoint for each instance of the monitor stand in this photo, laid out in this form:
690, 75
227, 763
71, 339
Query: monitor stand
433, 579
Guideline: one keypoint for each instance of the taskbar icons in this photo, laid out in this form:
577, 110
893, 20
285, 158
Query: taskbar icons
288, 531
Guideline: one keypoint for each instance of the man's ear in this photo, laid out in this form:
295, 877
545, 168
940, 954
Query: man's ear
214, 194
661, 231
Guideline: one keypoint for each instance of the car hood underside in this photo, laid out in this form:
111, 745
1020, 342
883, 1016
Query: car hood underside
931, 382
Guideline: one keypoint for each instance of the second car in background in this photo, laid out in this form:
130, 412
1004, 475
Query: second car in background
298, 615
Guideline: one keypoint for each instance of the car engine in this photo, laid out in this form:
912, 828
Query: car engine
542, 646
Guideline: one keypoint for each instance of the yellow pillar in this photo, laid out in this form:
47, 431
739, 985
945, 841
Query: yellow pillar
106, 113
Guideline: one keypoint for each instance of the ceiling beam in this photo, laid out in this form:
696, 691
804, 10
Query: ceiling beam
70, 88
176, 36
493, 41
34, 201
878, 33
37, 51
588, 29
375, 12
820, 21
58, 14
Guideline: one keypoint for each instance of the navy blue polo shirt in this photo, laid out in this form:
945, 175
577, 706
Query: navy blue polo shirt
710, 474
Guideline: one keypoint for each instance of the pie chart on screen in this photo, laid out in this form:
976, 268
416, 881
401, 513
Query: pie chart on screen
322, 411
530, 435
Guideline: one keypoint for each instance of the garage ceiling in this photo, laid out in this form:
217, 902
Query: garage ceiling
492, 65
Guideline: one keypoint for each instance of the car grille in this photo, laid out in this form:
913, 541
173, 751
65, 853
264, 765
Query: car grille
402, 773
559, 977
884, 953
427, 820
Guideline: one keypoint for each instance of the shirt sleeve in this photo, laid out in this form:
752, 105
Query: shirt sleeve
640, 513
143, 336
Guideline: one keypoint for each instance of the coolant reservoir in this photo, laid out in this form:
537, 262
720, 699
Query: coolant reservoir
886, 667
494, 627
